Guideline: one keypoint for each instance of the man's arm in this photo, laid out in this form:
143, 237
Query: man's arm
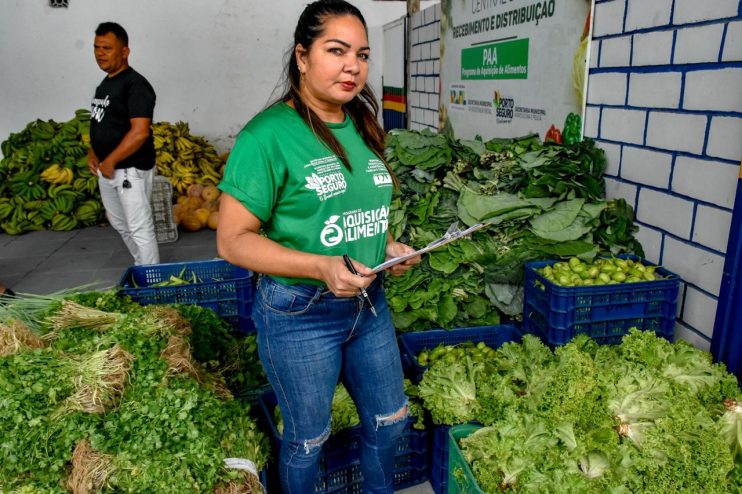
132, 141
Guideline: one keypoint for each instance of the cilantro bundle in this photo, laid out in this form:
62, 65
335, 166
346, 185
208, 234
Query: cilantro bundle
94, 396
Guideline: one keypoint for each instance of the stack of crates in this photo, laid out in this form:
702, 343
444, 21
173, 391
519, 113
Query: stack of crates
411, 344
161, 203
340, 471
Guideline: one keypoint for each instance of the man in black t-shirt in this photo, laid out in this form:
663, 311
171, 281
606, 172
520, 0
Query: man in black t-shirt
122, 153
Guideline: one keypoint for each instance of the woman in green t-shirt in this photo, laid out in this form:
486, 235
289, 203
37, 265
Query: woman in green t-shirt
309, 172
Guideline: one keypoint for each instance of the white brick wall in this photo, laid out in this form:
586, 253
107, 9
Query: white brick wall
613, 156
642, 14
609, 88
698, 44
733, 43
711, 227
615, 189
724, 138
615, 52
651, 240
655, 89
707, 180
672, 214
608, 18
676, 131
700, 310
683, 332
719, 90
694, 11
654, 48
695, 265
594, 49
646, 167
592, 119
623, 125
424, 67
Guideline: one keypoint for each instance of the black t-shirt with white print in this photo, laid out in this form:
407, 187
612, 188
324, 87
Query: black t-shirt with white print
117, 99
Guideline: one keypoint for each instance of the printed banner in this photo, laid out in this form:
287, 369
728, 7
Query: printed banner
512, 67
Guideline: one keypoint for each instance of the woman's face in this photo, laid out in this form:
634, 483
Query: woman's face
335, 69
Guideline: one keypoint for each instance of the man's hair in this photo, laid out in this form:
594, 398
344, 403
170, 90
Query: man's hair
112, 27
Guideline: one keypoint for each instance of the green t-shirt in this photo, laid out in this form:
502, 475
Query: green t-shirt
302, 193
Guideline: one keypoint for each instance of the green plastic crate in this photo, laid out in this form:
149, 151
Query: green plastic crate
460, 478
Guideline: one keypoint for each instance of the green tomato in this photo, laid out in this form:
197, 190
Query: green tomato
594, 271
649, 276
574, 261
618, 276
604, 277
608, 268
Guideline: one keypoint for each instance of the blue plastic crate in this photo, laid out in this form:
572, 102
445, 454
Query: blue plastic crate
411, 344
603, 312
340, 471
223, 287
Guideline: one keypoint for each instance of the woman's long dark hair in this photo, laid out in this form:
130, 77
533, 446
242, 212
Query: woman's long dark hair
362, 110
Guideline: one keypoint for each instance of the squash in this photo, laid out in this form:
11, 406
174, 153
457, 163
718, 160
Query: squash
211, 205
194, 190
191, 222
193, 203
182, 199
210, 193
203, 215
213, 221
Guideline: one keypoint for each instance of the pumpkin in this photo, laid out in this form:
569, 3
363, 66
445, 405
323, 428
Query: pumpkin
213, 220
182, 199
203, 215
194, 190
193, 203
191, 222
210, 193
211, 205
178, 212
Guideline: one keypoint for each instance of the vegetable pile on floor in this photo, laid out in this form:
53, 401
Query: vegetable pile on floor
185, 159
45, 182
644, 416
541, 200
100, 394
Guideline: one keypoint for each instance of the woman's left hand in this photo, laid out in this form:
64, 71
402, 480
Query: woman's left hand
397, 249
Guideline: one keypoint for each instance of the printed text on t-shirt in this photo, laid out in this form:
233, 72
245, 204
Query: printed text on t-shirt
99, 108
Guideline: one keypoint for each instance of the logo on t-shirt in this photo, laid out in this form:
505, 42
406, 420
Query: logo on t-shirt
98, 108
327, 178
382, 179
356, 225
327, 186
381, 175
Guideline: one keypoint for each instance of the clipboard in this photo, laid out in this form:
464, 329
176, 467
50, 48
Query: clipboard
453, 233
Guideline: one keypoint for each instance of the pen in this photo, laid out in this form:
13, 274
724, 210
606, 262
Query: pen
352, 269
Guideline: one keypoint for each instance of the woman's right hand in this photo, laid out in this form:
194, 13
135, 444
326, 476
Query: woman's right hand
340, 281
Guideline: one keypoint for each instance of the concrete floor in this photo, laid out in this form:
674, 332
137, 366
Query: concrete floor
46, 262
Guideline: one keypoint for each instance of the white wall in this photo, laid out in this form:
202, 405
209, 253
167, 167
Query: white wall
213, 63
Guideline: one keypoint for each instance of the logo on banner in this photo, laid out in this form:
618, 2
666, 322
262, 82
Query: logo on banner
503, 107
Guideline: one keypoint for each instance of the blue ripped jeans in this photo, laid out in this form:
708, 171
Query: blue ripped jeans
308, 339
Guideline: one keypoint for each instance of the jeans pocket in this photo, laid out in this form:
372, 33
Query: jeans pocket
287, 299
